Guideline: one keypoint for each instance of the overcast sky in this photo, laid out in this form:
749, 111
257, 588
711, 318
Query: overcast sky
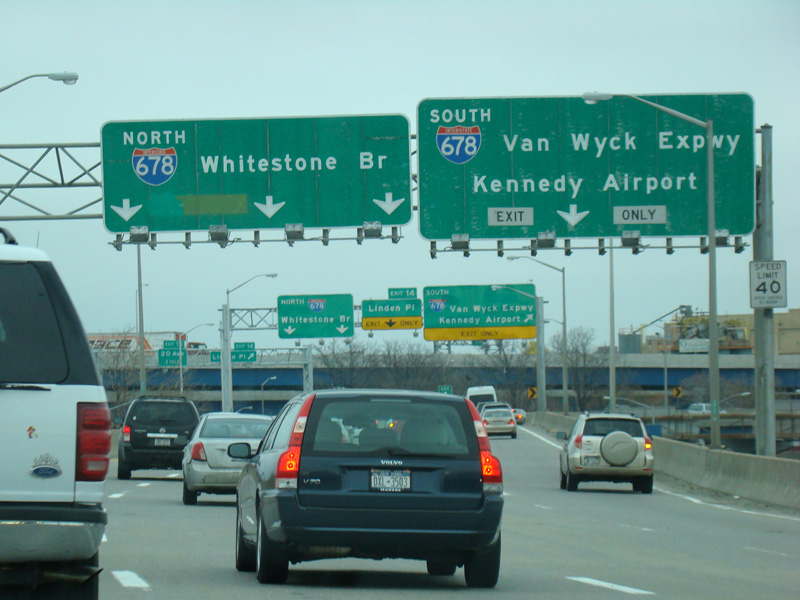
149, 60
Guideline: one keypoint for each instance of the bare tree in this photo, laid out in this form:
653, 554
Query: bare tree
587, 367
409, 365
513, 358
349, 364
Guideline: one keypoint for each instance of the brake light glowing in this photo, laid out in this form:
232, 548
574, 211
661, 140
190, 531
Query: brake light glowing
289, 462
579, 441
491, 472
647, 443
126, 434
199, 452
94, 442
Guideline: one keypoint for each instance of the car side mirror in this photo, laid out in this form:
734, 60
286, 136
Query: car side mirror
561, 435
240, 450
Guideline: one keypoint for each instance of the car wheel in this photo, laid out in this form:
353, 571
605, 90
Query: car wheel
272, 560
563, 481
572, 482
123, 470
618, 448
483, 568
436, 567
189, 497
245, 555
514, 435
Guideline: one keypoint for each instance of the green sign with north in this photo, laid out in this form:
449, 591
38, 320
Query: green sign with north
256, 173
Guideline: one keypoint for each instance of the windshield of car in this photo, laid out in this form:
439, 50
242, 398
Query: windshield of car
603, 427
235, 428
162, 413
406, 426
497, 413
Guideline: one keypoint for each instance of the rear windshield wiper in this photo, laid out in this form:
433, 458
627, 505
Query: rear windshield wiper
25, 387
394, 451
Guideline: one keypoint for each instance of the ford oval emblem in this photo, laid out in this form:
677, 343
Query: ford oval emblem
46, 471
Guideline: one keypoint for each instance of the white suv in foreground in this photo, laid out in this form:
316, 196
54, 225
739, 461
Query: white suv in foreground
607, 447
56, 435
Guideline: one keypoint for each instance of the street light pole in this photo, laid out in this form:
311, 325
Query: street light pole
564, 348
182, 344
541, 367
67, 77
713, 331
226, 373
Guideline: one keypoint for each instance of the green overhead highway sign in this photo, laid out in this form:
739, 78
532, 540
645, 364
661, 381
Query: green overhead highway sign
236, 356
256, 173
391, 314
402, 293
508, 168
478, 312
318, 316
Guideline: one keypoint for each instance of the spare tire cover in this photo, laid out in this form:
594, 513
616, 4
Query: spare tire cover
618, 448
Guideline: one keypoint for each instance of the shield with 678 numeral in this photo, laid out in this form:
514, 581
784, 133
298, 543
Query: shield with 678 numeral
458, 144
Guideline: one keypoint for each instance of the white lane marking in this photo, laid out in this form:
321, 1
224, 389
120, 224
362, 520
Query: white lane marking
731, 508
542, 507
129, 579
772, 552
105, 539
143, 484
647, 529
544, 439
115, 496
612, 586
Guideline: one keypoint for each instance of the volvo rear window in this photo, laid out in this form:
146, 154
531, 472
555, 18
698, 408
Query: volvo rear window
31, 347
605, 426
390, 426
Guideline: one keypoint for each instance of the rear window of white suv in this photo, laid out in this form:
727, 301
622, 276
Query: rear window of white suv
602, 427
31, 346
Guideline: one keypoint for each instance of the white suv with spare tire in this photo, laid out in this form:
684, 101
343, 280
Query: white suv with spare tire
607, 447
55, 435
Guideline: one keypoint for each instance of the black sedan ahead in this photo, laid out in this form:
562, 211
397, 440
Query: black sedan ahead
371, 474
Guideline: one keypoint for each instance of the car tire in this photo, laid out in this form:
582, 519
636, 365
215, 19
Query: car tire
563, 484
189, 497
514, 435
644, 485
482, 569
572, 482
123, 469
272, 559
618, 448
245, 555
437, 567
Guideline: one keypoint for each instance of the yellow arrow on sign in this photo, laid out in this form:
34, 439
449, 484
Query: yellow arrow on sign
391, 323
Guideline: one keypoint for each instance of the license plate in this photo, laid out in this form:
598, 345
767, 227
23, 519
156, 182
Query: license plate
161, 441
591, 461
390, 480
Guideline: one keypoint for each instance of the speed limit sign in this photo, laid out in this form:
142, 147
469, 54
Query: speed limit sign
768, 284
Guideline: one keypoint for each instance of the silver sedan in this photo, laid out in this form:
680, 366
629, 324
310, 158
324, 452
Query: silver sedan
207, 467
500, 421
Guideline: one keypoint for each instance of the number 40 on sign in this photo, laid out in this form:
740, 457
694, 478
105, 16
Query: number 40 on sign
768, 284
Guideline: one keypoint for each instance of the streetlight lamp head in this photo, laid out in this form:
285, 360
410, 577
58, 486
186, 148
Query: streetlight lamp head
67, 77
595, 97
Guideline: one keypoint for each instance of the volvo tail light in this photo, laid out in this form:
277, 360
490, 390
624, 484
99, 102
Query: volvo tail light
491, 471
94, 442
199, 452
289, 461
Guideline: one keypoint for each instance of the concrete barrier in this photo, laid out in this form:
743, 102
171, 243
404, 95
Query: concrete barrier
760, 478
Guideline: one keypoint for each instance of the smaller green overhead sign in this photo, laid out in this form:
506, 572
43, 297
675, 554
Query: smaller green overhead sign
317, 316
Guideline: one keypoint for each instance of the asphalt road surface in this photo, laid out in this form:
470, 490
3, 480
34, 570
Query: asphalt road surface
603, 541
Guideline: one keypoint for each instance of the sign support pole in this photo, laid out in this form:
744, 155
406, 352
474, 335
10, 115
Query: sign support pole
541, 367
225, 361
764, 350
140, 308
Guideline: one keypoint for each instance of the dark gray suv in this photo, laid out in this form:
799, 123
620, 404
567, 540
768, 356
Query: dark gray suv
154, 433
371, 474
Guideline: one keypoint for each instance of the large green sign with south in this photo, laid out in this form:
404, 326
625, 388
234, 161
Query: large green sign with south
496, 168
256, 173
